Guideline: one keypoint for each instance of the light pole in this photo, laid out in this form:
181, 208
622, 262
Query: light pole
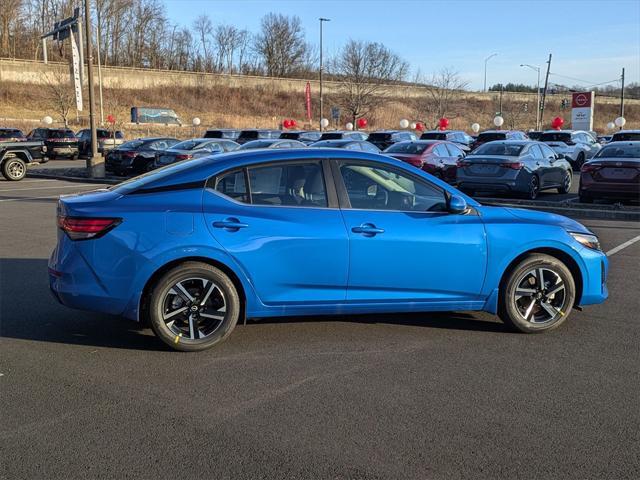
485, 69
321, 67
537, 69
95, 163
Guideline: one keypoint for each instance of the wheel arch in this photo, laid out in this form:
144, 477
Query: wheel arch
21, 154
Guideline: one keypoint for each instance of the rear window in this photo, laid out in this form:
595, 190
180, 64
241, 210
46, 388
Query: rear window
290, 135
499, 149
331, 136
61, 134
248, 134
620, 151
407, 147
491, 136
256, 144
109, 134
555, 137
625, 136
310, 136
11, 134
379, 137
433, 136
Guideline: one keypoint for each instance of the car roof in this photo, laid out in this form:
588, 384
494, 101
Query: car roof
340, 141
514, 142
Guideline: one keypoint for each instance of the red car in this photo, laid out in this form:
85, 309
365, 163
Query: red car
437, 157
613, 173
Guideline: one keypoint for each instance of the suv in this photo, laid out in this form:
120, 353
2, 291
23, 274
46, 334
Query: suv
255, 134
577, 146
626, 136
107, 140
492, 135
456, 136
385, 138
136, 156
15, 155
60, 142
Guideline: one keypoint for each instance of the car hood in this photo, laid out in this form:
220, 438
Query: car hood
537, 217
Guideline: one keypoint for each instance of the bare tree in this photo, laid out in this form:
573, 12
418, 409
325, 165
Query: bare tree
204, 30
363, 69
281, 44
59, 94
513, 112
443, 89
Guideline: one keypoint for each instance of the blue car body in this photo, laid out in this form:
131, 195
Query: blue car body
304, 260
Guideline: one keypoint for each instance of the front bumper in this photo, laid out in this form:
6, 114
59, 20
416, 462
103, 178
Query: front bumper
594, 277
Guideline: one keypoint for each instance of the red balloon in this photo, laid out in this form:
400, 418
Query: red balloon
420, 126
362, 123
286, 123
444, 123
111, 119
557, 123
294, 123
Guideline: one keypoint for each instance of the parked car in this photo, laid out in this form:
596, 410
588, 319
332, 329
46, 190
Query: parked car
455, 136
272, 233
626, 136
361, 145
15, 156
385, 138
255, 134
576, 145
194, 148
275, 143
493, 135
60, 142
107, 140
225, 133
344, 134
514, 166
136, 156
612, 174
439, 158
305, 136
11, 135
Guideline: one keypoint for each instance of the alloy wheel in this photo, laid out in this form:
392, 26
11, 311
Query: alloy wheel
533, 188
540, 296
16, 169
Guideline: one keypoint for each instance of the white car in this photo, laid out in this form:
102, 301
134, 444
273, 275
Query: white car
577, 146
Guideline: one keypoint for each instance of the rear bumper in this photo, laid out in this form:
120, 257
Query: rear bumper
609, 190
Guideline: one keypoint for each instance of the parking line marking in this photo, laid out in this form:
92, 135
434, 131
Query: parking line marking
622, 246
45, 188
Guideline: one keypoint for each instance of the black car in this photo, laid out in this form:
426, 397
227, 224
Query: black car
305, 136
360, 145
385, 138
60, 142
136, 156
14, 157
11, 135
257, 134
494, 135
107, 140
626, 136
456, 136
225, 133
344, 134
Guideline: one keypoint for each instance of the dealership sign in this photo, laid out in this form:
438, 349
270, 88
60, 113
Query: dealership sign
582, 110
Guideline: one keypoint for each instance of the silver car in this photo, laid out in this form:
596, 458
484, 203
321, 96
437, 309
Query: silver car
577, 146
514, 166
193, 148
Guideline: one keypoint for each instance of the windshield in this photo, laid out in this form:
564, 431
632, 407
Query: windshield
433, 136
499, 149
331, 136
131, 145
11, 134
625, 136
408, 147
109, 134
379, 137
61, 134
620, 151
555, 137
491, 136
290, 135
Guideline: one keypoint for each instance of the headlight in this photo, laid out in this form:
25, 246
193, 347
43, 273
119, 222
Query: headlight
587, 239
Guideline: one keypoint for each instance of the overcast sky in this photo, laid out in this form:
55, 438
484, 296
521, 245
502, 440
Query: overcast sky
591, 40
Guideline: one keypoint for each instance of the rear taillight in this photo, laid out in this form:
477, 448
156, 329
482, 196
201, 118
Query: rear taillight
589, 167
129, 154
184, 157
83, 228
512, 165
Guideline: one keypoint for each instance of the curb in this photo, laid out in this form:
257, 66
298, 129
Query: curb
100, 181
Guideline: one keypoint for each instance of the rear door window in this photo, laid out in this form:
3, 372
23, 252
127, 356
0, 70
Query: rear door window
294, 184
233, 185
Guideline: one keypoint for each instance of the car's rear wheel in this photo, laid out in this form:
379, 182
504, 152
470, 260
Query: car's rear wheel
534, 188
14, 169
193, 307
537, 294
566, 183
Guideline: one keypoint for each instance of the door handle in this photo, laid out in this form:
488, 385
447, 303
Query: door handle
230, 224
367, 229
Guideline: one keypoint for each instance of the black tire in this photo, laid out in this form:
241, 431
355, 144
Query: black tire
534, 188
181, 332
520, 314
585, 199
566, 182
14, 169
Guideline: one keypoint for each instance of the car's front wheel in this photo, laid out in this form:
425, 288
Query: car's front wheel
537, 295
193, 307
14, 168
566, 183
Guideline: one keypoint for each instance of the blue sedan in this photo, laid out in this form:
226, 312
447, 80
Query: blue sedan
197, 246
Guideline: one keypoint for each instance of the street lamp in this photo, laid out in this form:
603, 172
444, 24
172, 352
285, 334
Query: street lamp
321, 104
537, 69
485, 69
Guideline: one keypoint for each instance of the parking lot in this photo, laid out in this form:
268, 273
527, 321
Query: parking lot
442, 395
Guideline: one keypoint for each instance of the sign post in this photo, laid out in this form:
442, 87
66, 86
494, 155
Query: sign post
582, 104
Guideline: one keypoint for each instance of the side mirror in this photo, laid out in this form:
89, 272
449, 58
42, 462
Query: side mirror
457, 205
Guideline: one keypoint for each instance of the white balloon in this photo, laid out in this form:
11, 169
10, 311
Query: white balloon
404, 123
349, 126
324, 123
475, 127
413, 126
620, 121
47, 120
611, 126
195, 121
498, 121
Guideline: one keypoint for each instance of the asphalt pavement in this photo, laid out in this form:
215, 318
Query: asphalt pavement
425, 396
